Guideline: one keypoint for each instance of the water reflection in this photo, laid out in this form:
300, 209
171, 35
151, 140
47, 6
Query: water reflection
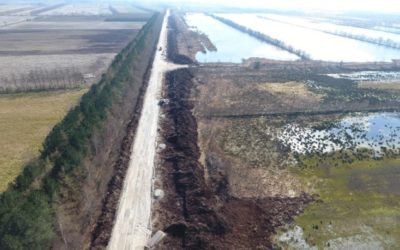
232, 45
319, 45
332, 27
386, 76
378, 132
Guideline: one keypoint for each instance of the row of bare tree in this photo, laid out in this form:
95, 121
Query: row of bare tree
43, 79
264, 38
380, 41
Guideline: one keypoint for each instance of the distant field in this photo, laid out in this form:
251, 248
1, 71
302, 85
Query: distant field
55, 41
59, 23
126, 8
8, 8
25, 120
81, 9
58, 52
6, 21
55, 71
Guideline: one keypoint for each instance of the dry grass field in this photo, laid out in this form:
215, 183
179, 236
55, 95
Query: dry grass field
380, 85
25, 120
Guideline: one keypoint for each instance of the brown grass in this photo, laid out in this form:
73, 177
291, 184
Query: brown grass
25, 120
380, 85
289, 88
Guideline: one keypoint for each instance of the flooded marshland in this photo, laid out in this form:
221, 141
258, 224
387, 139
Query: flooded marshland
369, 76
331, 26
376, 131
280, 129
319, 45
232, 45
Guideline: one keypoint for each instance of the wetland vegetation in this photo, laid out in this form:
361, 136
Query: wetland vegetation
356, 181
333, 147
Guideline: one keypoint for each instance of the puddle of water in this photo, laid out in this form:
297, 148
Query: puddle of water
232, 45
295, 238
369, 76
371, 131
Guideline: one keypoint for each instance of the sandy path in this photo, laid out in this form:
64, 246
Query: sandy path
132, 227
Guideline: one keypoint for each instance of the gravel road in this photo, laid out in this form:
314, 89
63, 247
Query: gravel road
132, 227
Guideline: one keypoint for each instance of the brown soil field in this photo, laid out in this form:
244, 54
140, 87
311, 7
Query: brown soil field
58, 46
34, 72
75, 23
43, 42
59, 55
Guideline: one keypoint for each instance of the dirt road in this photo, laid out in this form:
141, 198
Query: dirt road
132, 226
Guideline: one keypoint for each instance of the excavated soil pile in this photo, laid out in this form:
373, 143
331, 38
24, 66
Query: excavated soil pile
198, 216
173, 51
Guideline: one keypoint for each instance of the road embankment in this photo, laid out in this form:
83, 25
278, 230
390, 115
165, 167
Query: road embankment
132, 225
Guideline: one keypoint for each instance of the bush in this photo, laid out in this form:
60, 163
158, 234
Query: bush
28, 224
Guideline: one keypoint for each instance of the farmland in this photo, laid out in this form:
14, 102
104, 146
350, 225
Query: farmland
25, 120
56, 51
91, 9
62, 46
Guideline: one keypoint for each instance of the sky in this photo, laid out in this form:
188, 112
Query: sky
334, 5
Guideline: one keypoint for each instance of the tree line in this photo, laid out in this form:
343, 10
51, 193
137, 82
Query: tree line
380, 41
43, 79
